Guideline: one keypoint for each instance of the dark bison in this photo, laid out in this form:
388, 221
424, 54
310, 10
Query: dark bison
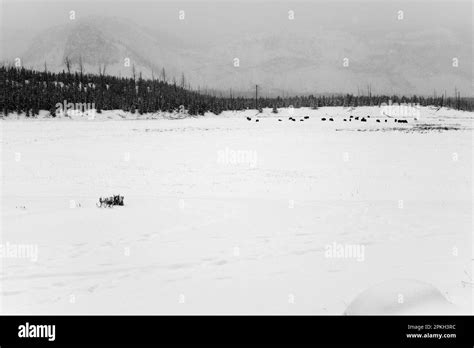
110, 201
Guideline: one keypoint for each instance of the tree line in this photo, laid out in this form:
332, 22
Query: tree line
29, 91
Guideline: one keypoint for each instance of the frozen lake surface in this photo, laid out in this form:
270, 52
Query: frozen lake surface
228, 216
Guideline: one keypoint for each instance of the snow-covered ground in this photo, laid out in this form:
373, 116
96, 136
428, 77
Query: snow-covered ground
227, 216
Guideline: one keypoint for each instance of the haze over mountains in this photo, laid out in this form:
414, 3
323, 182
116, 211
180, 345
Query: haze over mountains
281, 60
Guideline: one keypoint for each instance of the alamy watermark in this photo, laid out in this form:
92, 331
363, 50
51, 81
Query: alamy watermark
19, 251
400, 110
237, 157
28, 330
345, 251
76, 109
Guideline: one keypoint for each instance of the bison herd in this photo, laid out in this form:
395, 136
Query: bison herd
330, 119
280, 120
365, 119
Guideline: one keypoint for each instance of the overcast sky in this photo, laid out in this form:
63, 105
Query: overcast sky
219, 19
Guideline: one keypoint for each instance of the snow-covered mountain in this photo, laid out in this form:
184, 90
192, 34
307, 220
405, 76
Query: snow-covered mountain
281, 62
102, 41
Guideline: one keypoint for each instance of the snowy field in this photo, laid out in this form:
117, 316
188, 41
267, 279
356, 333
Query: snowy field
228, 216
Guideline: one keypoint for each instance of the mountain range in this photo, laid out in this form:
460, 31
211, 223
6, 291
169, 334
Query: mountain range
280, 62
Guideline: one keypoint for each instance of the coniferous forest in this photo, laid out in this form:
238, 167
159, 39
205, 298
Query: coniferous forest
29, 91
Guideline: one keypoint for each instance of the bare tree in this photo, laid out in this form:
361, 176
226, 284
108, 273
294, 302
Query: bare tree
67, 62
81, 65
163, 75
102, 69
